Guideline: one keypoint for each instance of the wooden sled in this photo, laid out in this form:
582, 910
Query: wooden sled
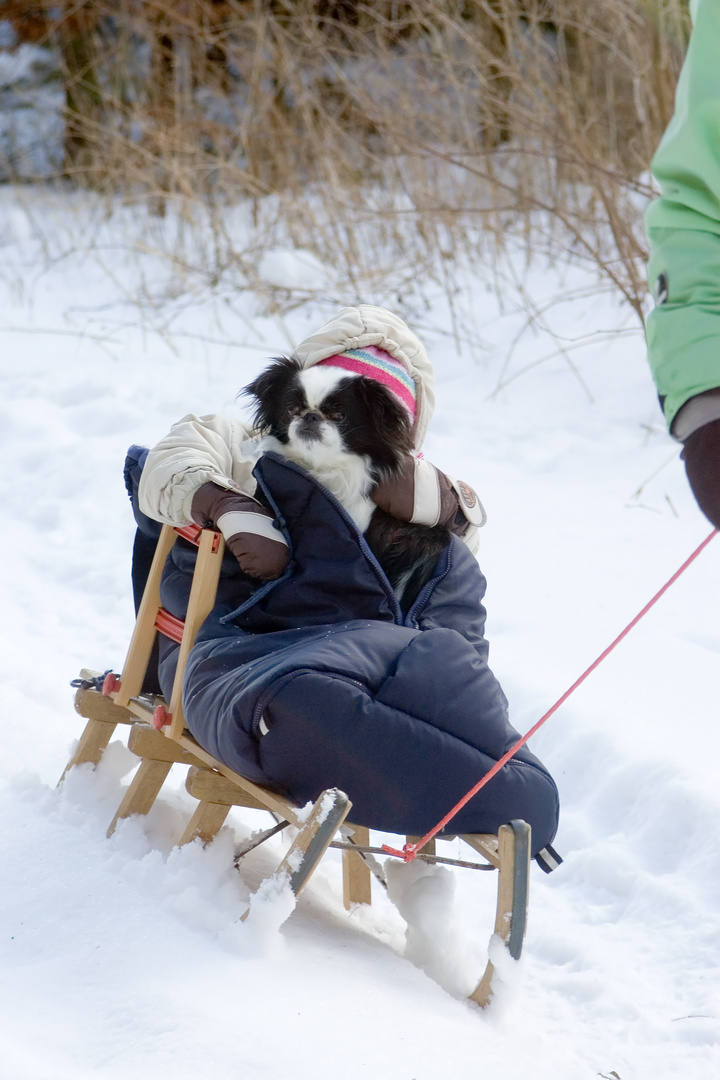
158, 736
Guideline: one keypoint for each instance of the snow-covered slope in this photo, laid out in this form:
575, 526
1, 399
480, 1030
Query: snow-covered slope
124, 958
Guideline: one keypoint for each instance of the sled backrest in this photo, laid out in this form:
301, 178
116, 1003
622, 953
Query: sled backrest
152, 618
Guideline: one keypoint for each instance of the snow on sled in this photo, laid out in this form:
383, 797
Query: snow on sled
160, 737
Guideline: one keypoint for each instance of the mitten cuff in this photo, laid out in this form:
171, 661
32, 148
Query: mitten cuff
424, 495
433, 499
253, 520
232, 512
249, 530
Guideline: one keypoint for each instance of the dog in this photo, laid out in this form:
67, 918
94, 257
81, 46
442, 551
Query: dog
350, 432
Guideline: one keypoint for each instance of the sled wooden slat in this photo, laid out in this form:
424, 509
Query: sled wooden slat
209, 785
201, 603
216, 794
217, 788
143, 637
146, 742
95, 706
269, 800
141, 711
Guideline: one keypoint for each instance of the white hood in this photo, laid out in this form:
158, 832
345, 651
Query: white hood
358, 327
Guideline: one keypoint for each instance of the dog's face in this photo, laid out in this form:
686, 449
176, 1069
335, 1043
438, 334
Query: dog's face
349, 431
322, 414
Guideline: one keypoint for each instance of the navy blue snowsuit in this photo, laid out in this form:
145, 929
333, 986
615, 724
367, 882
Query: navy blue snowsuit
400, 711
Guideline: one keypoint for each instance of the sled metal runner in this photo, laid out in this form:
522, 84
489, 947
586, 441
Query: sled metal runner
159, 738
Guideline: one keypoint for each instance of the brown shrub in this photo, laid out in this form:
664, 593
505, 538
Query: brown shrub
427, 127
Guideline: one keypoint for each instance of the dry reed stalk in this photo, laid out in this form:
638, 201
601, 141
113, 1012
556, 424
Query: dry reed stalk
385, 134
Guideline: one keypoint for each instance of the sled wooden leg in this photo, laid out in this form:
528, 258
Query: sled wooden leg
91, 746
102, 716
313, 840
512, 899
216, 794
356, 874
143, 790
158, 755
205, 824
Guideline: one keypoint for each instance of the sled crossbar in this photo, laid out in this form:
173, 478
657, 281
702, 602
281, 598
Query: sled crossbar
159, 738
170, 625
363, 849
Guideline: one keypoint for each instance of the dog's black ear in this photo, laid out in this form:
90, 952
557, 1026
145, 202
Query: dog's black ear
390, 420
269, 391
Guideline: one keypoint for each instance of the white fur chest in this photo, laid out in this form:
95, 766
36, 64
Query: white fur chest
346, 476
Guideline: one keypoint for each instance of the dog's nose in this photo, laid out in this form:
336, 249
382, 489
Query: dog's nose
310, 427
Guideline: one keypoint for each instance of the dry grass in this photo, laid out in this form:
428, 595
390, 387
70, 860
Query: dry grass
379, 134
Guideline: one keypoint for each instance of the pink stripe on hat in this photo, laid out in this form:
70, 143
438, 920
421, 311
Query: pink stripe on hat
374, 363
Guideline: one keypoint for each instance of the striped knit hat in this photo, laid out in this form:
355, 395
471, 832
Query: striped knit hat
375, 363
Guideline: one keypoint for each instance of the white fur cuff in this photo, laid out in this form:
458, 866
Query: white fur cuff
244, 521
426, 503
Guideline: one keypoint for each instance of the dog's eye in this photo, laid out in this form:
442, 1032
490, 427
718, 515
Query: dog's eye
293, 411
336, 415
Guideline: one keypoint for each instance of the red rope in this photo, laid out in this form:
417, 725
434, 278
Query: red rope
409, 851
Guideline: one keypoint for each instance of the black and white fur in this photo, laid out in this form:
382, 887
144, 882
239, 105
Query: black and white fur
349, 432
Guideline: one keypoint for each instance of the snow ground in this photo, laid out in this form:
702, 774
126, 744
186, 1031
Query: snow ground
124, 958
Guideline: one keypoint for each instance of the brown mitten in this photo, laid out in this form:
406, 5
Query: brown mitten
248, 528
702, 465
421, 494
